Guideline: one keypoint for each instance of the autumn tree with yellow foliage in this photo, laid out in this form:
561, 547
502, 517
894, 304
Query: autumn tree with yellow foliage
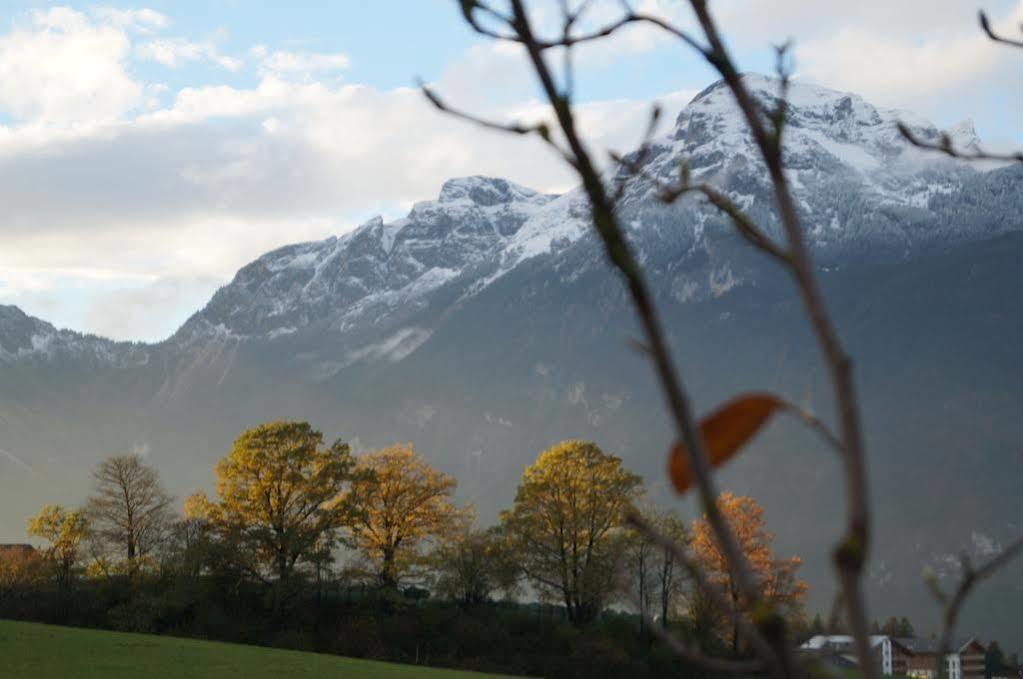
64, 530
566, 524
777, 579
398, 504
280, 494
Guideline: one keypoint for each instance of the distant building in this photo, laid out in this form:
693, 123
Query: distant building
839, 650
902, 655
16, 550
965, 661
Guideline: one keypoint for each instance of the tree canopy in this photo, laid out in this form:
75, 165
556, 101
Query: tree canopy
129, 509
776, 577
398, 503
565, 523
280, 493
64, 530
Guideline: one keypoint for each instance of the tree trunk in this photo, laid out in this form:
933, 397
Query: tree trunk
664, 611
388, 577
735, 623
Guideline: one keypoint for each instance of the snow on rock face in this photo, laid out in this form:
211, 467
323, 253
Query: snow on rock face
841, 124
859, 187
827, 133
24, 338
845, 159
562, 222
375, 269
964, 136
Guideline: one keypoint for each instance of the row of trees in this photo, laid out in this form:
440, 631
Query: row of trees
287, 504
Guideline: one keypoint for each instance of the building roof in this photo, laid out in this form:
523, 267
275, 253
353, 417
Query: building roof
19, 549
918, 646
837, 640
912, 645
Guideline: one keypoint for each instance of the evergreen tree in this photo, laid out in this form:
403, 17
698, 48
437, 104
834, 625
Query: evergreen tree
994, 660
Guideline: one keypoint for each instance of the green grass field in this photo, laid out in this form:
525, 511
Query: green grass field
31, 651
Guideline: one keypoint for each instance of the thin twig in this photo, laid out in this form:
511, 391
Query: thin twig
835, 615
469, 7
681, 555
851, 552
540, 129
641, 155
693, 655
986, 27
971, 577
669, 193
678, 647
619, 253
944, 145
816, 424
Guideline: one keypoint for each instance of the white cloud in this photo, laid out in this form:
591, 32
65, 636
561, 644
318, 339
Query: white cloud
282, 63
175, 52
138, 20
932, 59
61, 67
142, 211
898, 72
178, 195
170, 52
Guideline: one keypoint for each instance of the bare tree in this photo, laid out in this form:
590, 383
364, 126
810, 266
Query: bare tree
653, 576
129, 509
971, 575
766, 122
770, 637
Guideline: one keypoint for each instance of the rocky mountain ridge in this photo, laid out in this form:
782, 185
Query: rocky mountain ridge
860, 186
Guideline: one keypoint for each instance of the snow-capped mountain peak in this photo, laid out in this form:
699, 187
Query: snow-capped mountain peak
964, 136
26, 338
860, 186
377, 270
826, 131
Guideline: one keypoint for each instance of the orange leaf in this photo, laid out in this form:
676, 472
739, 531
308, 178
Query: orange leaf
724, 432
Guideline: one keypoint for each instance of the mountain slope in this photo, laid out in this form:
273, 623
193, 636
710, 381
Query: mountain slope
486, 325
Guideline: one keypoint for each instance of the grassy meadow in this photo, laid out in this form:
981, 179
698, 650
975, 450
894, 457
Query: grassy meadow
36, 651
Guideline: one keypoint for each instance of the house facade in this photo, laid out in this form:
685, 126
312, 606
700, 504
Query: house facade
903, 656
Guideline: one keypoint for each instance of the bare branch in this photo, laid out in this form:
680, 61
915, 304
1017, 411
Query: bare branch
851, 552
513, 128
743, 224
540, 129
971, 577
682, 650
986, 26
469, 9
641, 155
681, 555
944, 145
837, 605
696, 657
670, 193
783, 70
619, 253
567, 40
816, 424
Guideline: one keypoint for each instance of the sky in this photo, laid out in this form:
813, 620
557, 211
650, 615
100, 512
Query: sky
149, 150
